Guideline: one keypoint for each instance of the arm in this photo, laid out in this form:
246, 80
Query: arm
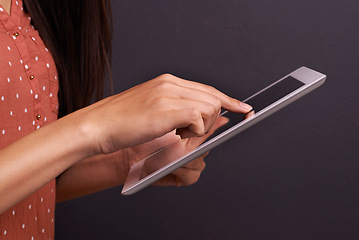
125, 120
91, 175
33, 161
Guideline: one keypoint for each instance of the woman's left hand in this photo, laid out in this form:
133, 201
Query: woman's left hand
187, 174
109, 170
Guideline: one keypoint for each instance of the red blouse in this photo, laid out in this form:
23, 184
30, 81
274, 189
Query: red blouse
28, 101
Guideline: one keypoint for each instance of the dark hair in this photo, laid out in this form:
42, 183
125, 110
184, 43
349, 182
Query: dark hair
78, 34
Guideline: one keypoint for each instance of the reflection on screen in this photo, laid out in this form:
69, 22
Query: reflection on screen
259, 101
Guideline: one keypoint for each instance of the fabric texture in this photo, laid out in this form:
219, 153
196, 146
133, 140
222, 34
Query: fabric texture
28, 101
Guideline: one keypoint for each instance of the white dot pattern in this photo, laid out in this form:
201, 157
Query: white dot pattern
22, 98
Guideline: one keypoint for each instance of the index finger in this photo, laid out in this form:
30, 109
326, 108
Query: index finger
228, 103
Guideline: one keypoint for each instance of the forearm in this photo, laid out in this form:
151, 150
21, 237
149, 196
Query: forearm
33, 161
91, 175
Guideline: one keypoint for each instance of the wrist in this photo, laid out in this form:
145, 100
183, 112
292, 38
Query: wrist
121, 166
81, 132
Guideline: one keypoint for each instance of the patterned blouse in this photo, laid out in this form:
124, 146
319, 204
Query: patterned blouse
28, 101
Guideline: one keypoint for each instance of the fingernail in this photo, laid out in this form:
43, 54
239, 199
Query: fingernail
246, 106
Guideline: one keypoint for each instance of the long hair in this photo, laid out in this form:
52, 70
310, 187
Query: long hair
78, 34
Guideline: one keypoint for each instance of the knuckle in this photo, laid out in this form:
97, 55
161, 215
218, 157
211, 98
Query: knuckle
214, 110
163, 86
166, 76
159, 101
233, 101
210, 110
196, 119
201, 132
211, 89
218, 104
195, 114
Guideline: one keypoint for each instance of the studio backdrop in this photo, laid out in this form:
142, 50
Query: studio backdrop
294, 175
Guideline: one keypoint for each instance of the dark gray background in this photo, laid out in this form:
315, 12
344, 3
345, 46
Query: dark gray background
293, 176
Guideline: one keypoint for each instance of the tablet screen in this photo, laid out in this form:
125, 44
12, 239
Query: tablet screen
258, 101
262, 100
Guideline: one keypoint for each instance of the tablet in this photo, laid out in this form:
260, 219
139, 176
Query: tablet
265, 102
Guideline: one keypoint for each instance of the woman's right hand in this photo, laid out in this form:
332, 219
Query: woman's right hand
152, 109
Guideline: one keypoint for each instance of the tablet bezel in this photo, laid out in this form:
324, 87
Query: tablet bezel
311, 79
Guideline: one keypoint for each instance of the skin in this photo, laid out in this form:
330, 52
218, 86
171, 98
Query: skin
102, 139
108, 170
105, 171
93, 148
6, 4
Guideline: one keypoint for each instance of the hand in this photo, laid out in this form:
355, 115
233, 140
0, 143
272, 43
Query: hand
187, 174
153, 109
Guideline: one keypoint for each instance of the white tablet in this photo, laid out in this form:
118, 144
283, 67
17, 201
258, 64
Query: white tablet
265, 102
